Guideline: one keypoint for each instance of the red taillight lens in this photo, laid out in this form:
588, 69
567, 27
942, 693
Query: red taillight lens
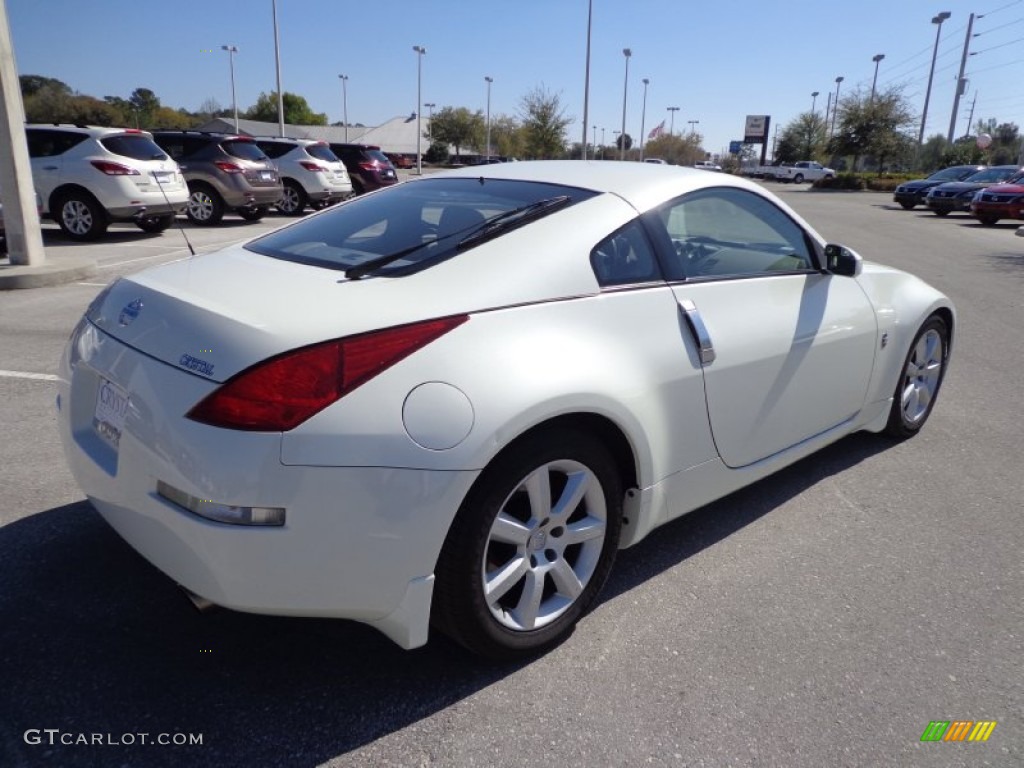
227, 167
369, 166
282, 392
113, 169
315, 167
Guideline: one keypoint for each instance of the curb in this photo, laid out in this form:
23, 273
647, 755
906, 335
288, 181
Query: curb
67, 270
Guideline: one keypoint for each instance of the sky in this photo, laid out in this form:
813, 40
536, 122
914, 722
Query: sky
717, 61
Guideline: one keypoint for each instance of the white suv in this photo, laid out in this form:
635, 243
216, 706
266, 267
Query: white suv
89, 177
312, 174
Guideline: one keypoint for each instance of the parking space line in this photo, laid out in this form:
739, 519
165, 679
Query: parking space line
177, 251
28, 375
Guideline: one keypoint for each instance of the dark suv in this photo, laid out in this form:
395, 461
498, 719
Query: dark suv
224, 172
368, 167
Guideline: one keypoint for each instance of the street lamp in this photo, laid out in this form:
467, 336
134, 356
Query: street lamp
586, 81
595, 141
876, 58
420, 50
672, 122
693, 131
643, 117
344, 102
430, 119
277, 67
232, 50
814, 100
489, 81
937, 20
625, 87
835, 107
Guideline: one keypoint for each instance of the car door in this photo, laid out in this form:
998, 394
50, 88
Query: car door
787, 350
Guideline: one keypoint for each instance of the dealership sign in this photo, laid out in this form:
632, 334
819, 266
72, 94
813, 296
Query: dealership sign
755, 130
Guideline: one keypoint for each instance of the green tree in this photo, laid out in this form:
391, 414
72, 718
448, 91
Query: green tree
1005, 145
683, 149
544, 123
33, 84
507, 136
437, 153
963, 151
145, 104
878, 126
804, 138
296, 110
458, 127
929, 159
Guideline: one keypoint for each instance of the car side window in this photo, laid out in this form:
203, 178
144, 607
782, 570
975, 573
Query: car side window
46, 143
728, 232
625, 257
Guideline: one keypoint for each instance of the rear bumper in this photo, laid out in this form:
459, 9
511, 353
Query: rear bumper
123, 213
358, 543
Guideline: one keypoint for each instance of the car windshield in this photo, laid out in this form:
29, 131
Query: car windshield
422, 223
952, 174
243, 149
134, 145
991, 174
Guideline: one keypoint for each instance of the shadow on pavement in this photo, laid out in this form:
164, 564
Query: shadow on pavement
93, 640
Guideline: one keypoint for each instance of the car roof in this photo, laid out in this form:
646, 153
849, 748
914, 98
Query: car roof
643, 185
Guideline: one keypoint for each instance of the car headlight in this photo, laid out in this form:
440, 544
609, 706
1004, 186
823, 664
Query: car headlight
900, 189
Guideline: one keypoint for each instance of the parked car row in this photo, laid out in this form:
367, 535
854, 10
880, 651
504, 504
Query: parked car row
88, 177
990, 194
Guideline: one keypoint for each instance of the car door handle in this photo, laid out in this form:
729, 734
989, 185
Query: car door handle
699, 331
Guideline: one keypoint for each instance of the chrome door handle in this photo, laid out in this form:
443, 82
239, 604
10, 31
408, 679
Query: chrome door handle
699, 331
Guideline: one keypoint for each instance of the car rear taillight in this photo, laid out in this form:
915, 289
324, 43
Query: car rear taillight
113, 169
372, 165
228, 167
282, 392
310, 166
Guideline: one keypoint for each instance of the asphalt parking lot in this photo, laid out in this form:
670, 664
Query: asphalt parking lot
822, 617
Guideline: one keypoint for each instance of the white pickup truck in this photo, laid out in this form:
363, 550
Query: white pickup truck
805, 170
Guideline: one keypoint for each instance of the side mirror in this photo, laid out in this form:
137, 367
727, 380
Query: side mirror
840, 260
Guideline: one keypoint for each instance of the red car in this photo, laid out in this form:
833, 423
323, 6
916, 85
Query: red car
1000, 201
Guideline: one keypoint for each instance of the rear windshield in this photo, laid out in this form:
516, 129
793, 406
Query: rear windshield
244, 150
425, 220
322, 152
134, 145
380, 157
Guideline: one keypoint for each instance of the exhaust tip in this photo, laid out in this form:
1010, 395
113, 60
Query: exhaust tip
201, 603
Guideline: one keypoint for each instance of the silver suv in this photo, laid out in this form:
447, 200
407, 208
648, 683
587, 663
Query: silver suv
311, 173
89, 177
224, 172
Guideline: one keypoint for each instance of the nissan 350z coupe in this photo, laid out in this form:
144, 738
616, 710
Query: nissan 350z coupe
451, 402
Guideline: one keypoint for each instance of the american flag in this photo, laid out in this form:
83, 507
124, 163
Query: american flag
657, 130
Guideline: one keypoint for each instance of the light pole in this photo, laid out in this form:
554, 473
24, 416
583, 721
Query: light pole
420, 50
672, 122
489, 81
643, 118
937, 20
430, 119
625, 87
693, 131
602, 143
595, 141
814, 100
277, 66
232, 50
835, 107
344, 102
586, 80
876, 58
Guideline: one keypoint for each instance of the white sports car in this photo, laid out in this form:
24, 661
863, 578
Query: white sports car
450, 402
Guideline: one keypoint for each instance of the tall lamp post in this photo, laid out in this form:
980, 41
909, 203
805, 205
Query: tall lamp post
595, 141
672, 122
586, 81
420, 50
232, 50
693, 131
835, 107
430, 119
814, 100
643, 117
937, 20
625, 87
344, 102
277, 67
876, 58
489, 81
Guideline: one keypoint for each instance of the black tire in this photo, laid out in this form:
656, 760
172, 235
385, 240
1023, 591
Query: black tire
908, 206
205, 207
357, 186
798, 179
155, 224
940, 212
294, 199
926, 359
253, 214
80, 216
460, 608
987, 219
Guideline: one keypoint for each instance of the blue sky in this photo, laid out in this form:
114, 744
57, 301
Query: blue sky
716, 61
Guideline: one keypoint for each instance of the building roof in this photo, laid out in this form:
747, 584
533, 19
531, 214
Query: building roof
397, 135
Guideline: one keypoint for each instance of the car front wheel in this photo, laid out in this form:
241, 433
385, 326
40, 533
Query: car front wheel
81, 217
798, 179
530, 547
920, 379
